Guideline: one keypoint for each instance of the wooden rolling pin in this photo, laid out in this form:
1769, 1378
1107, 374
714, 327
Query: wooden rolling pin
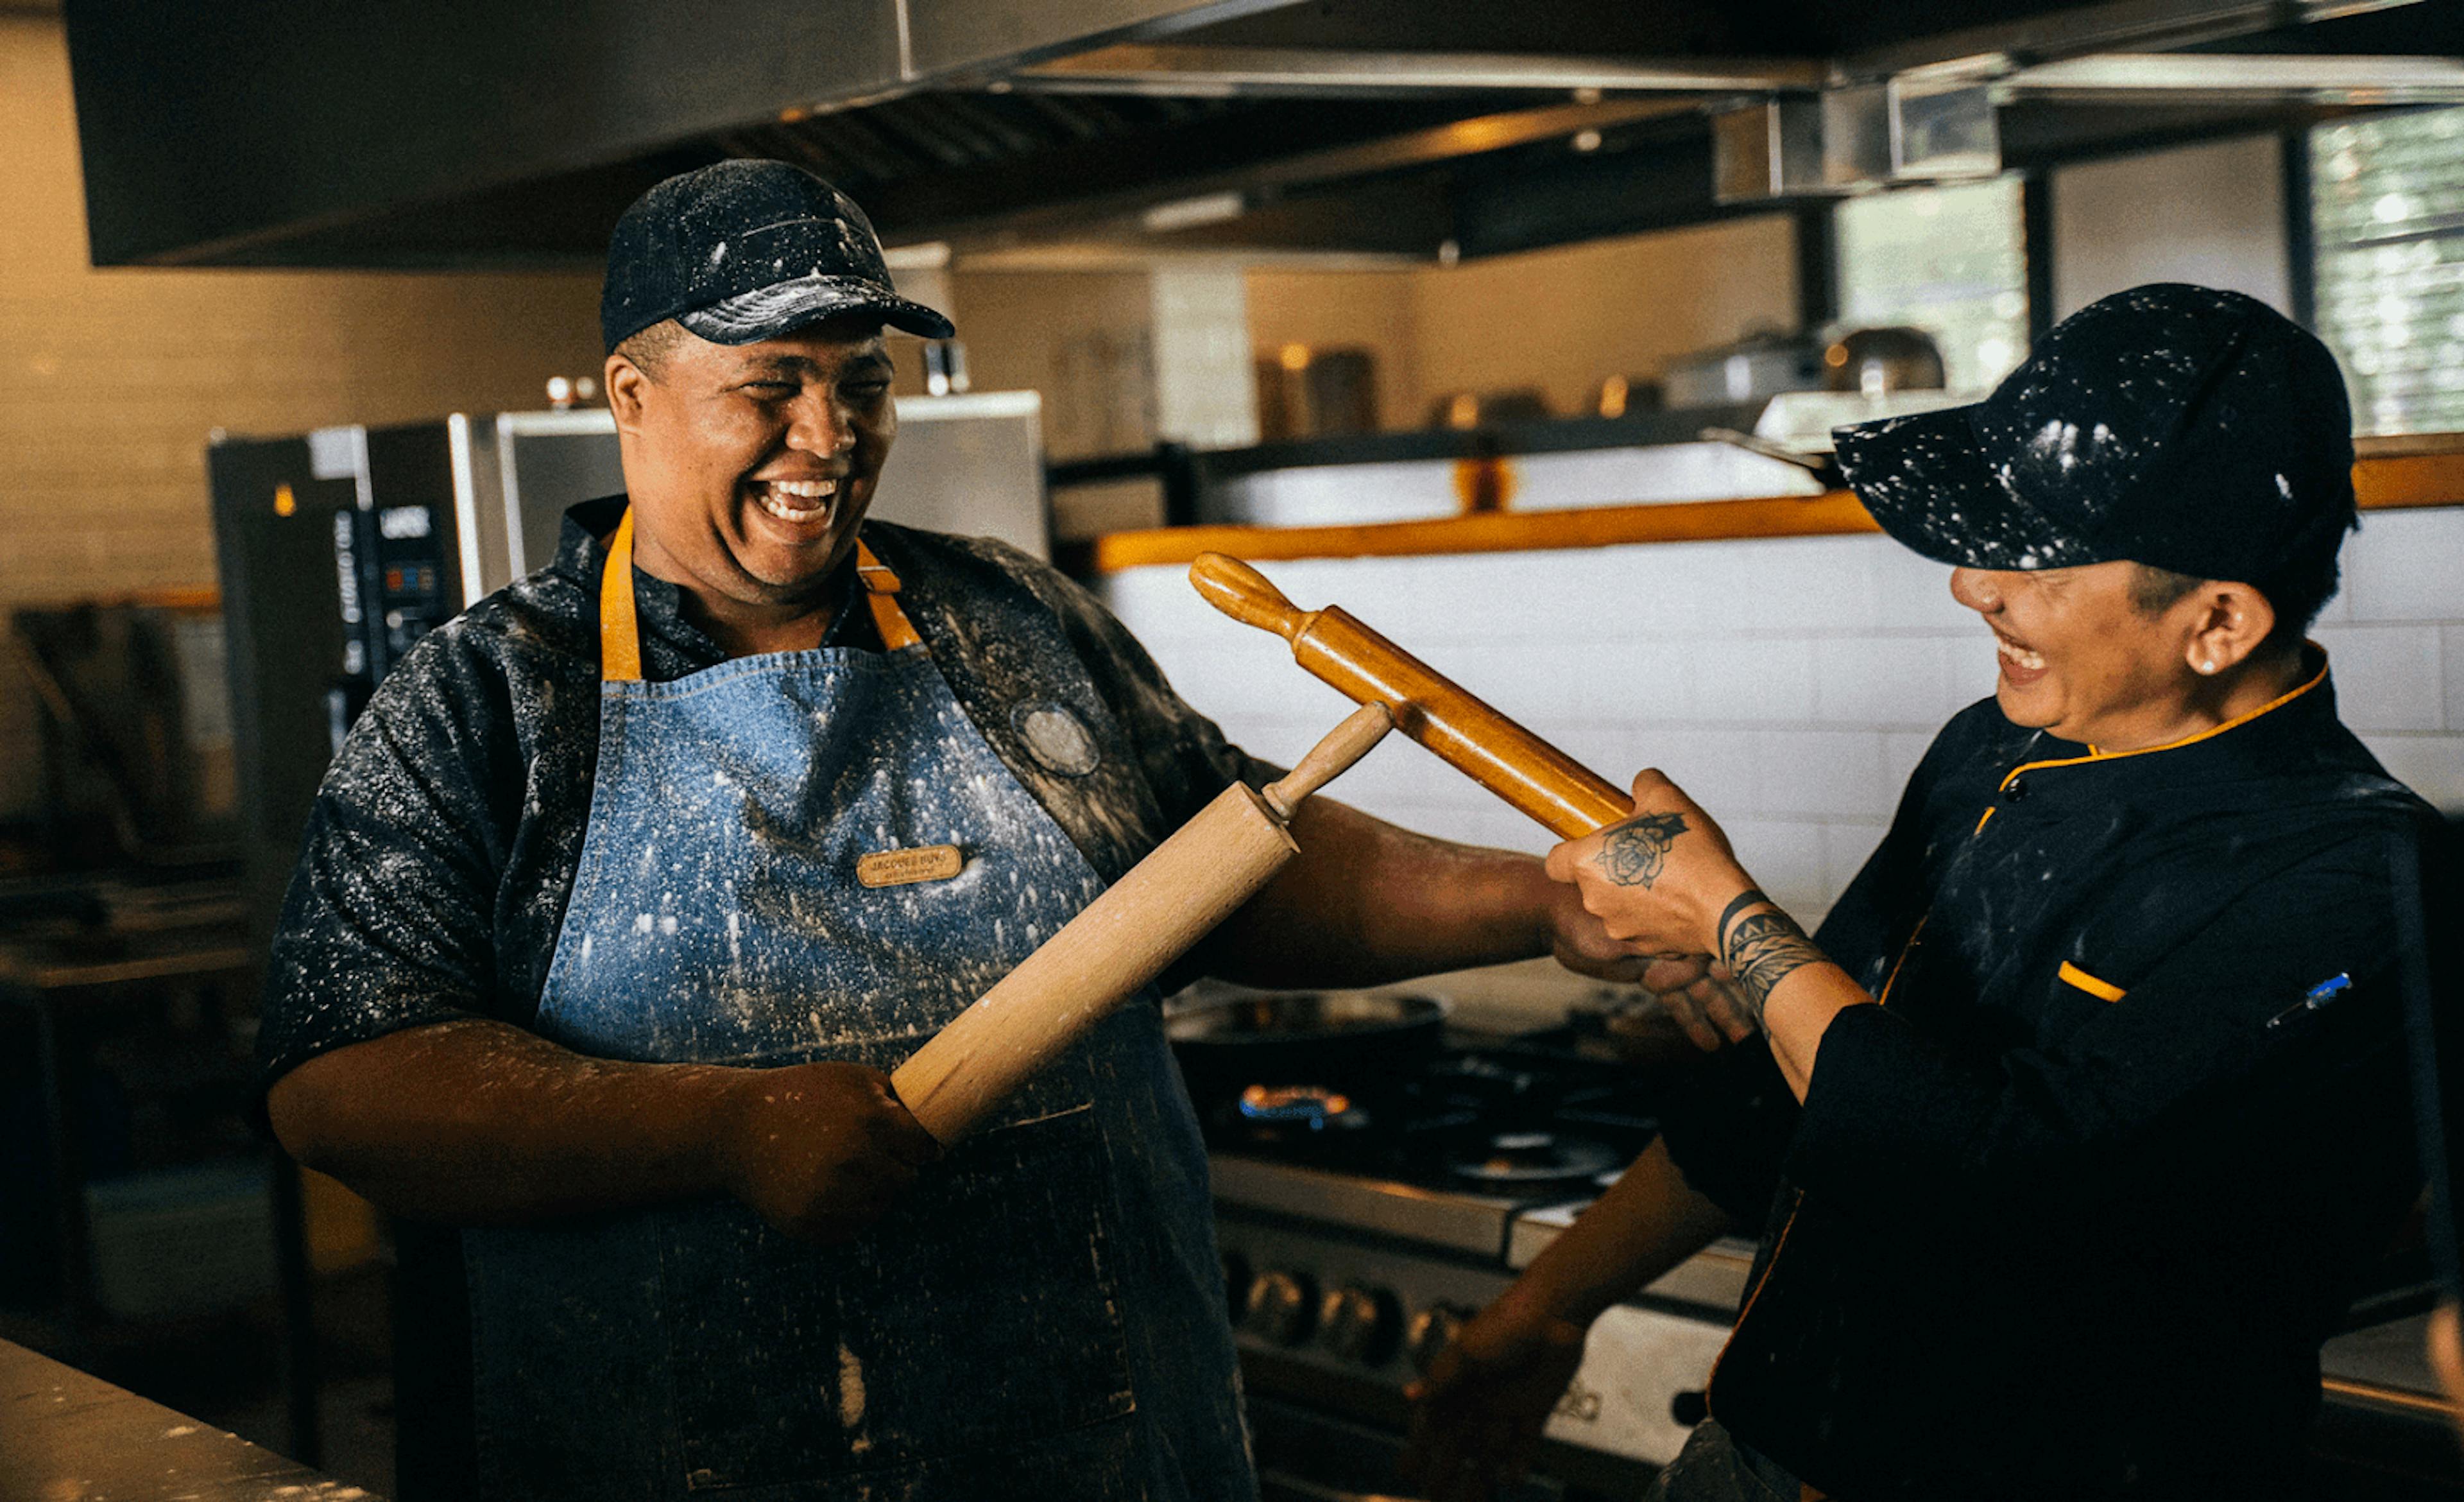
1499, 754
1121, 940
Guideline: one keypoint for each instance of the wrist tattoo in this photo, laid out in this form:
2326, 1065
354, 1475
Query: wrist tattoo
1635, 851
1763, 950
1751, 896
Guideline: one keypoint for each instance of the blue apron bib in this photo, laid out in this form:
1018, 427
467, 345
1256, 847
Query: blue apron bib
1042, 1316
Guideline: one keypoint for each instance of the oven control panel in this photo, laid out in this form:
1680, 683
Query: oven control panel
1372, 1313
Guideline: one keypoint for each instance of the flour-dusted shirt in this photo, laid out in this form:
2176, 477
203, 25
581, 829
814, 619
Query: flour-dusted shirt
441, 847
2069, 1214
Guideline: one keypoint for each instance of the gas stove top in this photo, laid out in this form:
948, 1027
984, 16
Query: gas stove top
1450, 1148
1486, 1148
1363, 1221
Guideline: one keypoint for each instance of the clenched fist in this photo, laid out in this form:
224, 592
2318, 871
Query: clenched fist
1477, 1417
820, 1151
1659, 880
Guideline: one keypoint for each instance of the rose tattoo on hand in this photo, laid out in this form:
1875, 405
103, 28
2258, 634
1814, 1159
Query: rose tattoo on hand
1634, 853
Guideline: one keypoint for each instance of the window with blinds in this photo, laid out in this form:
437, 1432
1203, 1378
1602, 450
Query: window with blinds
2387, 200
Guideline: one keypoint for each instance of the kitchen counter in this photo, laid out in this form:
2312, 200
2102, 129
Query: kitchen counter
69, 1437
2390, 1359
2383, 1430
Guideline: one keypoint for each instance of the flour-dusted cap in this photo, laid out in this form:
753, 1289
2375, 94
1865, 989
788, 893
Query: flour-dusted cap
744, 250
2193, 430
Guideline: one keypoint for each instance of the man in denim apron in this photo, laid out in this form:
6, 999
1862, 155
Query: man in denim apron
603, 940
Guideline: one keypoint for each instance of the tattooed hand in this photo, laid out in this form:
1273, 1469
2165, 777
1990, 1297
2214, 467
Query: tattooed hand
1658, 879
1634, 851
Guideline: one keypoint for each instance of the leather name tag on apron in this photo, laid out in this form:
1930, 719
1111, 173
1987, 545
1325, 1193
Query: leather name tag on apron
903, 867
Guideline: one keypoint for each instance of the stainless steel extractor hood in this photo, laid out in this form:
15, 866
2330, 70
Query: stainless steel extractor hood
292, 132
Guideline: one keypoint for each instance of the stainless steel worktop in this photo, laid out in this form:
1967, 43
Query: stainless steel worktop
69, 1437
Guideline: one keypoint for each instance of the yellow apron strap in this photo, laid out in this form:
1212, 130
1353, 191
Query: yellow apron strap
881, 593
619, 635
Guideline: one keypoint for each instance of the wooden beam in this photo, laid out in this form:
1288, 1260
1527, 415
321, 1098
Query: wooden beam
2382, 481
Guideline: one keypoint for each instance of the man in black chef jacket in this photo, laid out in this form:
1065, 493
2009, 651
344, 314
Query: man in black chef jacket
2068, 1132
608, 924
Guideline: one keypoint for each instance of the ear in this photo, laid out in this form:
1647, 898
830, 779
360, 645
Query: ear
624, 383
2231, 622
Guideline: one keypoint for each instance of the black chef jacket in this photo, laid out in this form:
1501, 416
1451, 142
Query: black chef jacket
2069, 1214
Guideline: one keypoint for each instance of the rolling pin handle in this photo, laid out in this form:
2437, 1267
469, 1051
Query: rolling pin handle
1348, 743
1246, 595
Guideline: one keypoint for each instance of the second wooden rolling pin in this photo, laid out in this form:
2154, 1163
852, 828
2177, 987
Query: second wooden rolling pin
1122, 941
1499, 754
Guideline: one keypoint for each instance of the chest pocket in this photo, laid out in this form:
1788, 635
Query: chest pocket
2075, 997
2079, 980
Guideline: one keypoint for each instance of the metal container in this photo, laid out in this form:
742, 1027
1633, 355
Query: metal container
1756, 366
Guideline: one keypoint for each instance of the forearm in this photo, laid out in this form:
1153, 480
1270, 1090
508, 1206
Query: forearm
479, 1122
1646, 1223
1789, 987
1366, 902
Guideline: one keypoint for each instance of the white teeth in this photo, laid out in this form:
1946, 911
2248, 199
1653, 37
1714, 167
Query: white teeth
772, 495
2019, 655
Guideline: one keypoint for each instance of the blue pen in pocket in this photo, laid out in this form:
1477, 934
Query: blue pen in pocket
2318, 996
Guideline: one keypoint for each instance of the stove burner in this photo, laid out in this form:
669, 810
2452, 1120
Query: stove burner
1311, 1106
1523, 1159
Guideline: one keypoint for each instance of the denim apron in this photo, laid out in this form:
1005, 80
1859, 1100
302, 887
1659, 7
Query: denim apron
1041, 1315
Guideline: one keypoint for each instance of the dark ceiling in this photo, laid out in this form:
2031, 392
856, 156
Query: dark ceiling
524, 146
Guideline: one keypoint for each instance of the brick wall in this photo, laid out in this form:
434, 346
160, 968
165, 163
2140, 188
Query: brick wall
111, 380
1790, 684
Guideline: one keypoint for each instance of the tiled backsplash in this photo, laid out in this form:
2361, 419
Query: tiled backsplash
1791, 685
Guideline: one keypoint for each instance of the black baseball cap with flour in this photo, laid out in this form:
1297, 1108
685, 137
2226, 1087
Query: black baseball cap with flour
745, 250
2197, 430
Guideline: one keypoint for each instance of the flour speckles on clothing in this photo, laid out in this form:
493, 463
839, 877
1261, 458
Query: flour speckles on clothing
851, 1397
440, 855
764, 917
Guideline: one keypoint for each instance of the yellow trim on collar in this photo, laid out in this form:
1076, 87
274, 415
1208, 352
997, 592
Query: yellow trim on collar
619, 636
2101, 990
620, 632
2209, 734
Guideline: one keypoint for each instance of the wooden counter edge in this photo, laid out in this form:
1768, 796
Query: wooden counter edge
68, 1433
2382, 481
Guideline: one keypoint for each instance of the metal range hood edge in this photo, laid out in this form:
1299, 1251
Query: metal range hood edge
206, 130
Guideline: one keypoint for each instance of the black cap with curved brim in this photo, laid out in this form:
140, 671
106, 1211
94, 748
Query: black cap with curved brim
2197, 430
746, 251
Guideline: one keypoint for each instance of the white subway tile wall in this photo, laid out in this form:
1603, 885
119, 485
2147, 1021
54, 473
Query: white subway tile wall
1791, 685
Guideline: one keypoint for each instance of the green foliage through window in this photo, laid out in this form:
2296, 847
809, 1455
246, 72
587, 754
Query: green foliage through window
2387, 202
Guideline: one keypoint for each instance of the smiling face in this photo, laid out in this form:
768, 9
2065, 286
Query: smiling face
2082, 657
749, 466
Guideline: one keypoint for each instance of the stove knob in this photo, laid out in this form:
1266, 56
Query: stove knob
1431, 1330
1361, 1323
1283, 1307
